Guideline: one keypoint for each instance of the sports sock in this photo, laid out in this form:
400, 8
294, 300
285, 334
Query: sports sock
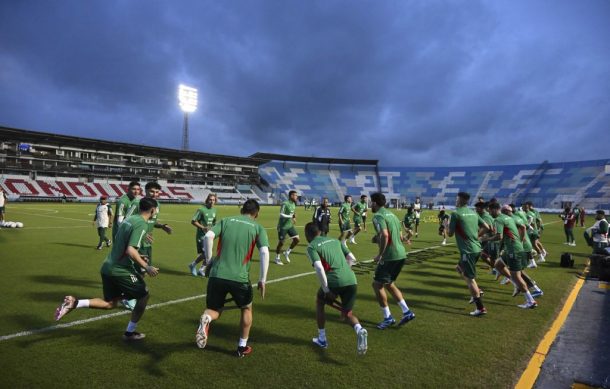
528, 297
386, 312
322, 334
277, 257
479, 303
357, 327
288, 251
403, 305
82, 304
242, 342
131, 327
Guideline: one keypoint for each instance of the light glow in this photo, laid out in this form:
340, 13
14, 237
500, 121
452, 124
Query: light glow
187, 97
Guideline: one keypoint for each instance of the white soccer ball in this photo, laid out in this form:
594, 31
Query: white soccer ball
19, 224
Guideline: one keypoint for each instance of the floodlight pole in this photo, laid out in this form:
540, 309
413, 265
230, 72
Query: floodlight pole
185, 132
187, 96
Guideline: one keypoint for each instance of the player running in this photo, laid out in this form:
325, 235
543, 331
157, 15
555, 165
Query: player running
121, 277
443, 224
285, 227
390, 260
533, 231
331, 260
407, 224
345, 228
230, 271
358, 210
123, 204
101, 219
203, 220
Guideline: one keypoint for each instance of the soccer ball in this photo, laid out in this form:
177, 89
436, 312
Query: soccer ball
18, 224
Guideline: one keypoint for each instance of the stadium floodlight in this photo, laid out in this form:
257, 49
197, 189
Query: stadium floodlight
187, 98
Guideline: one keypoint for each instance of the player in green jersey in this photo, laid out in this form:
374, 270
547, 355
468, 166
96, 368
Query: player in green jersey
230, 270
511, 238
490, 249
408, 223
121, 277
332, 260
203, 220
285, 227
521, 222
465, 224
123, 204
359, 208
443, 224
345, 228
534, 225
390, 259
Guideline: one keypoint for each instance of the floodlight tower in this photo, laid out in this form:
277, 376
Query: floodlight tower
187, 97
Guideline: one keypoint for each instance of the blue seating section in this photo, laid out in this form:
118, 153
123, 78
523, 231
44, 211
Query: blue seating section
548, 185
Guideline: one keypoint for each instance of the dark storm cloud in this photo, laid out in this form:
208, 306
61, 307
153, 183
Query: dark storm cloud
406, 82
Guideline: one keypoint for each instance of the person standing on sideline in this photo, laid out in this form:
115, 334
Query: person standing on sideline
101, 219
230, 271
390, 259
597, 235
322, 217
417, 209
568, 225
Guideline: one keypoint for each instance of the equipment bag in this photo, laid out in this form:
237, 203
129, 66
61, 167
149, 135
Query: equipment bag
566, 260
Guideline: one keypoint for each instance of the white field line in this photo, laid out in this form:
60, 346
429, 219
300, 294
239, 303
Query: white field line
52, 217
126, 312
415, 251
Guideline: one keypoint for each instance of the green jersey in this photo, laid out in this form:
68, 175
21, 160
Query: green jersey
465, 225
359, 209
521, 221
490, 222
509, 234
135, 208
531, 222
206, 217
332, 255
286, 215
131, 233
344, 212
123, 205
237, 236
409, 219
384, 219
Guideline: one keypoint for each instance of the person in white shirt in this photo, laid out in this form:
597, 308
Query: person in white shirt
102, 220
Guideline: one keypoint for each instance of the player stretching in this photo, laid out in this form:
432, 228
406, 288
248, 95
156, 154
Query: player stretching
345, 228
230, 272
390, 260
120, 272
123, 204
358, 209
417, 209
331, 260
101, 219
465, 224
285, 227
203, 220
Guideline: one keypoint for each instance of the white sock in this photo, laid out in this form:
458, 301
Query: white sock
386, 312
242, 342
131, 327
536, 288
277, 257
357, 327
322, 334
288, 251
403, 305
82, 304
528, 297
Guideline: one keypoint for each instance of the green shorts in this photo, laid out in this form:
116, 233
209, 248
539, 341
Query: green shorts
357, 222
199, 244
128, 286
387, 271
1, 210
468, 264
283, 233
345, 226
514, 261
217, 291
347, 294
534, 236
526, 256
491, 250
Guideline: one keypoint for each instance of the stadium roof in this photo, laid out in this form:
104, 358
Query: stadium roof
292, 158
25, 136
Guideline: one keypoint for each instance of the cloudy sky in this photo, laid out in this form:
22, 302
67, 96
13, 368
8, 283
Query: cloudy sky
411, 83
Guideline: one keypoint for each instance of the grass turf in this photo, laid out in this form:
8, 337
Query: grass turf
54, 255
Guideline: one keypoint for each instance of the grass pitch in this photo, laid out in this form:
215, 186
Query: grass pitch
55, 255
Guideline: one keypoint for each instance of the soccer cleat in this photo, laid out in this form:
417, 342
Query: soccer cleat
505, 281
278, 261
532, 265
444, 243
193, 269
201, 271
131, 336
129, 304
362, 341
537, 293
515, 291
353, 240
321, 343
478, 312
108, 243
541, 259
388, 321
66, 306
573, 244
481, 293
286, 255
416, 235
99, 247
406, 317
527, 305
201, 336
243, 351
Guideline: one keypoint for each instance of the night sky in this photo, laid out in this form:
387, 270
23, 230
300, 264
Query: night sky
411, 83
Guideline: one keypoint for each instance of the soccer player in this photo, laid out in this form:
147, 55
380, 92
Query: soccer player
121, 277
358, 209
366, 208
465, 224
322, 217
331, 260
568, 225
230, 272
582, 216
489, 250
443, 223
203, 220
521, 220
407, 223
3, 199
101, 219
597, 235
390, 259
345, 228
417, 208
533, 230
285, 227
511, 238
123, 204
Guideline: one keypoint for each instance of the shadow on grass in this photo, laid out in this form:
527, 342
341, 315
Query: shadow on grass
87, 246
63, 280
